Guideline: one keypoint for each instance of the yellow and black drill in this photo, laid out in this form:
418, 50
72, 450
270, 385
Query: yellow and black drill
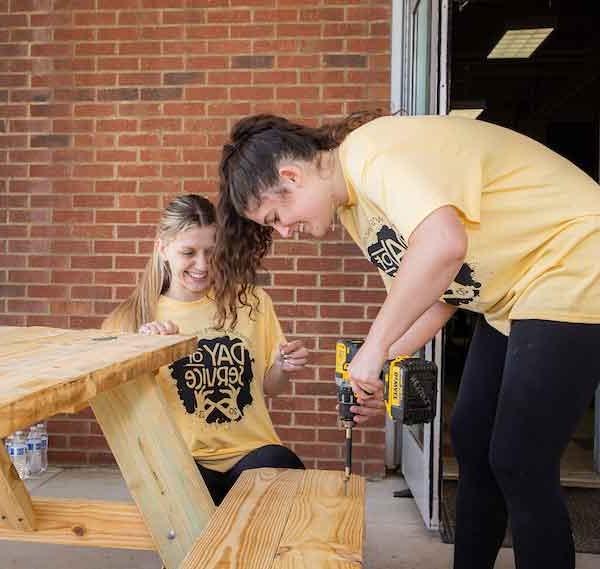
409, 390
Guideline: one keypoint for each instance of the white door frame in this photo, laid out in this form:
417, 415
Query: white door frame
420, 449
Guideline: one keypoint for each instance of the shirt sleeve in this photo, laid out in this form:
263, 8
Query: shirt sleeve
408, 186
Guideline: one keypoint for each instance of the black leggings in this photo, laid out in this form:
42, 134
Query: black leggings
273, 456
519, 402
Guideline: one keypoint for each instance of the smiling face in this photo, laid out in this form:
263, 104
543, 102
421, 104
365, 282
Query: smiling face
303, 203
188, 255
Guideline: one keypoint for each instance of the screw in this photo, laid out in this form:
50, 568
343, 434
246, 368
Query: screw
171, 534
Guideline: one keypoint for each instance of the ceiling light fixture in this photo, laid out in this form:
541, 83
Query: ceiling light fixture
519, 44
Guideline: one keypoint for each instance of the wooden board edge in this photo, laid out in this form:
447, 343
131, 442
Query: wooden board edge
91, 523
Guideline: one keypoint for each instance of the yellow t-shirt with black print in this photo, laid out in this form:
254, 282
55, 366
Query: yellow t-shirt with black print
531, 216
216, 394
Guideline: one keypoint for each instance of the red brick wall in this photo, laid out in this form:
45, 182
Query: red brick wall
109, 107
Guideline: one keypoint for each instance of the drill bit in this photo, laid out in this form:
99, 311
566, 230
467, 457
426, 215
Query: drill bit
348, 465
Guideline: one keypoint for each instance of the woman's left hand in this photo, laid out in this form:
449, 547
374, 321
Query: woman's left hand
367, 409
292, 356
365, 370
158, 327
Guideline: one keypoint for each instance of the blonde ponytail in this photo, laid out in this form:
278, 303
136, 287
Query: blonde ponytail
140, 307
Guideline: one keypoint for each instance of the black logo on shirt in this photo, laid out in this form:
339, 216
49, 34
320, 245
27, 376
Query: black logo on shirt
387, 252
464, 289
213, 383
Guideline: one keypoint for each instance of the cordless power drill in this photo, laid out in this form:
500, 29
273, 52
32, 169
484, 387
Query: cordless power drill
409, 390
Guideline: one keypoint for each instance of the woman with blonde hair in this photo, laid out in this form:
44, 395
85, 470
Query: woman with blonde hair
217, 394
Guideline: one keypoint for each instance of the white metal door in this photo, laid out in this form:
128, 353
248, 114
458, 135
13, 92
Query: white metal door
419, 86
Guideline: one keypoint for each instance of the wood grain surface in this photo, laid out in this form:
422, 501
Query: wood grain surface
157, 466
45, 371
84, 522
285, 519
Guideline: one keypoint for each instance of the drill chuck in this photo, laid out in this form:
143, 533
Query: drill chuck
346, 400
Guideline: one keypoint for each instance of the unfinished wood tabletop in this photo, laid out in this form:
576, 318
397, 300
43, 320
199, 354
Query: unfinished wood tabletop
44, 371
285, 519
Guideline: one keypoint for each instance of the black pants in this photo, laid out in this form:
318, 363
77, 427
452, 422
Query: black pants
519, 402
273, 456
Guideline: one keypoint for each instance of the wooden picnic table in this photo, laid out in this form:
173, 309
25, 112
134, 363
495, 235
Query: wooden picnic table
271, 518
45, 371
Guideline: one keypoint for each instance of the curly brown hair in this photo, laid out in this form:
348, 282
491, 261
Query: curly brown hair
249, 167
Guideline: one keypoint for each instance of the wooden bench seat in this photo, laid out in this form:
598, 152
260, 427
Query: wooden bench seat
285, 519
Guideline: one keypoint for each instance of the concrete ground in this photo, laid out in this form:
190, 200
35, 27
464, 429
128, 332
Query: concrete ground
396, 538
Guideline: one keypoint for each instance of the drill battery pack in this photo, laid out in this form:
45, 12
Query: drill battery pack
410, 389
410, 385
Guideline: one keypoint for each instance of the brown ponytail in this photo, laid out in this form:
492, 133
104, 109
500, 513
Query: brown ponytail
338, 131
249, 167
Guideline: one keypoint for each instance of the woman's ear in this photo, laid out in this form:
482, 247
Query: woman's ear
291, 173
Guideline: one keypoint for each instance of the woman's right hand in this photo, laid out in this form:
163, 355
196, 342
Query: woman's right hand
162, 328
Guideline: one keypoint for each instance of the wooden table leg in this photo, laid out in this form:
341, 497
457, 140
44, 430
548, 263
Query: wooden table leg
157, 466
15, 503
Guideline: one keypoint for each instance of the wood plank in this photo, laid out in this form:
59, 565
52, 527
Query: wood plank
158, 468
86, 523
15, 503
45, 371
285, 519
245, 531
21, 339
325, 527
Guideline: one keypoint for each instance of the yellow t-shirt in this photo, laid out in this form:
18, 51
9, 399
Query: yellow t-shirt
532, 217
216, 394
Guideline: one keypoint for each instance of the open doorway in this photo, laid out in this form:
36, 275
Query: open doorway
552, 94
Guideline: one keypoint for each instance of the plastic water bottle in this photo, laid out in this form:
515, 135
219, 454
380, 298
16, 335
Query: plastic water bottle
34, 452
43, 432
18, 454
7, 443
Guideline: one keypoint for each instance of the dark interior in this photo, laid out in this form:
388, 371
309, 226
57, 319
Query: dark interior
552, 96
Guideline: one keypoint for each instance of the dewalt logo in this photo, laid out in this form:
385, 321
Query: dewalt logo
396, 385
